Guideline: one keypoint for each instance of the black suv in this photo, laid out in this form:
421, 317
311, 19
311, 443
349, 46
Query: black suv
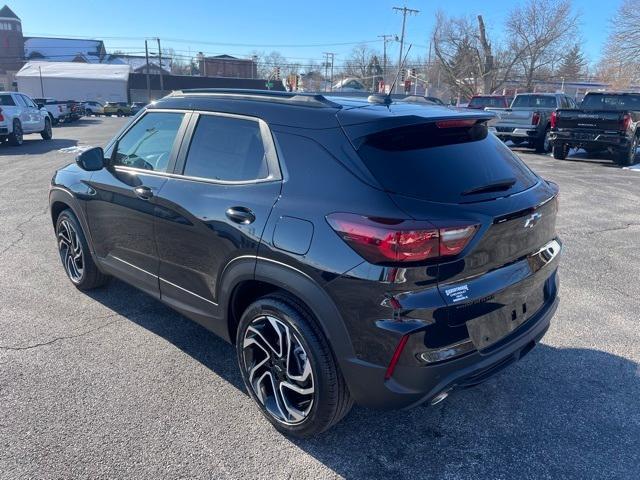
352, 250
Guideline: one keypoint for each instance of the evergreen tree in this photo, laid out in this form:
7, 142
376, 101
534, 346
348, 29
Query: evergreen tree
573, 64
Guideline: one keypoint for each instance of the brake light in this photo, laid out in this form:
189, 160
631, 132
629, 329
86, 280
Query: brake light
384, 241
535, 120
396, 357
1, 116
456, 123
626, 122
554, 117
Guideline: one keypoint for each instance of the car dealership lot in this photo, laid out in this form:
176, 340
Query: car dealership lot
115, 384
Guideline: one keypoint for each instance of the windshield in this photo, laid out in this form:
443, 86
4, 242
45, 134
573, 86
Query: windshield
534, 101
441, 164
611, 102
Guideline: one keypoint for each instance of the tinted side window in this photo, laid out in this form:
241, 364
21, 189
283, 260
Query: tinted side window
20, 101
7, 101
148, 143
28, 101
224, 148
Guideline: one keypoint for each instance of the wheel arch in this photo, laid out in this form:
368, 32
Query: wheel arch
61, 199
247, 279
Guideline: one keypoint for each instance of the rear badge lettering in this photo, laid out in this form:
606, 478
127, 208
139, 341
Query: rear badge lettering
457, 294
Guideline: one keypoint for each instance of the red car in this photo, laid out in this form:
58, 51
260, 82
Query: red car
479, 102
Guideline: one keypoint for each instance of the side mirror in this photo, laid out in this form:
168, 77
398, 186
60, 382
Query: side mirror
40, 105
91, 160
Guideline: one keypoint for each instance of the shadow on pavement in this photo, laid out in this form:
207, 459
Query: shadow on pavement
34, 145
559, 413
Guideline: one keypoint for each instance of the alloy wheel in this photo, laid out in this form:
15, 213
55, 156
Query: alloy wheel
70, 249
278, 369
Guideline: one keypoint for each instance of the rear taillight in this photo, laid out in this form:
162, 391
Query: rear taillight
388, 241
626, 122
554, 116
1, 116
535, 120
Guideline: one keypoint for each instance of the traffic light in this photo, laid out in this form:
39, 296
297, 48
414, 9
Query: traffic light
277, 73
402, 74
413, 72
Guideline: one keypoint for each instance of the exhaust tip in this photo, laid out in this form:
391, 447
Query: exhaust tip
439, 398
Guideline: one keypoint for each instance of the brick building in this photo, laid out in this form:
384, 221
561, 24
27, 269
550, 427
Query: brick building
227, 66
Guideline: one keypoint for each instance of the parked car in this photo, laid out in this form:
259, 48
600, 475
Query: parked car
338, 276
480, 102
605, 121
349, 84
529, 118
93, 107
19, 115
137, 106
58, 111
121, 109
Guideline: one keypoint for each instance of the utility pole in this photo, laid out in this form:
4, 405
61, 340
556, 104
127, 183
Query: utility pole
42, 84
326, 66
160, 66
385, 39
146, 54
404, 11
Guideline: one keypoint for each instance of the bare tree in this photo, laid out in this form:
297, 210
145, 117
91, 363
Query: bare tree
620, 63
542, 30
268, 62
470, 61
359, 61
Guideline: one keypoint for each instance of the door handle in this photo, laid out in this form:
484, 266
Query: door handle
145, 193
241, 215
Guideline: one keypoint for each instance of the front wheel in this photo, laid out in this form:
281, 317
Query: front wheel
560, 151
46, 134
75, 255
288, 367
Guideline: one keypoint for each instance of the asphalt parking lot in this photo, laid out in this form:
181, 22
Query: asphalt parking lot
113, 384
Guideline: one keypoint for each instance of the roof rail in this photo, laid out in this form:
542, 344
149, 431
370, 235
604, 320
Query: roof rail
305, 99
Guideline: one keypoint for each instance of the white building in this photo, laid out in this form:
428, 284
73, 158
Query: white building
75, 81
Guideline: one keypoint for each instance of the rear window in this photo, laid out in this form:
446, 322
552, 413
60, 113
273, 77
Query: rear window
611, 102
487, 102
534, 101
7, 101
442, 164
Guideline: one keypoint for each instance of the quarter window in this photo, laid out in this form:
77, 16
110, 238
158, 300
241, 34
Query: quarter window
227, 149
7, 101
148, 144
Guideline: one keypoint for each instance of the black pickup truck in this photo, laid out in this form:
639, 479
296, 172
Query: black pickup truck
605, 121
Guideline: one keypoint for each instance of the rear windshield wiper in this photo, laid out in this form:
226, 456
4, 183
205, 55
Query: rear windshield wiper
498, 186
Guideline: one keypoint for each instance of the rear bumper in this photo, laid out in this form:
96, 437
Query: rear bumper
413, 385
595, 139
508, 131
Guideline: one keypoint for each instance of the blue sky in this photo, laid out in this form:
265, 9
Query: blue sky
239, 27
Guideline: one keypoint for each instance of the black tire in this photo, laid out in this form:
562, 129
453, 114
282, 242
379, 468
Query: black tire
16, 136
88, 112
543, 143
330, 400
47, 133
516, 141
627, 156
120, 113
560, 151
85, 274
